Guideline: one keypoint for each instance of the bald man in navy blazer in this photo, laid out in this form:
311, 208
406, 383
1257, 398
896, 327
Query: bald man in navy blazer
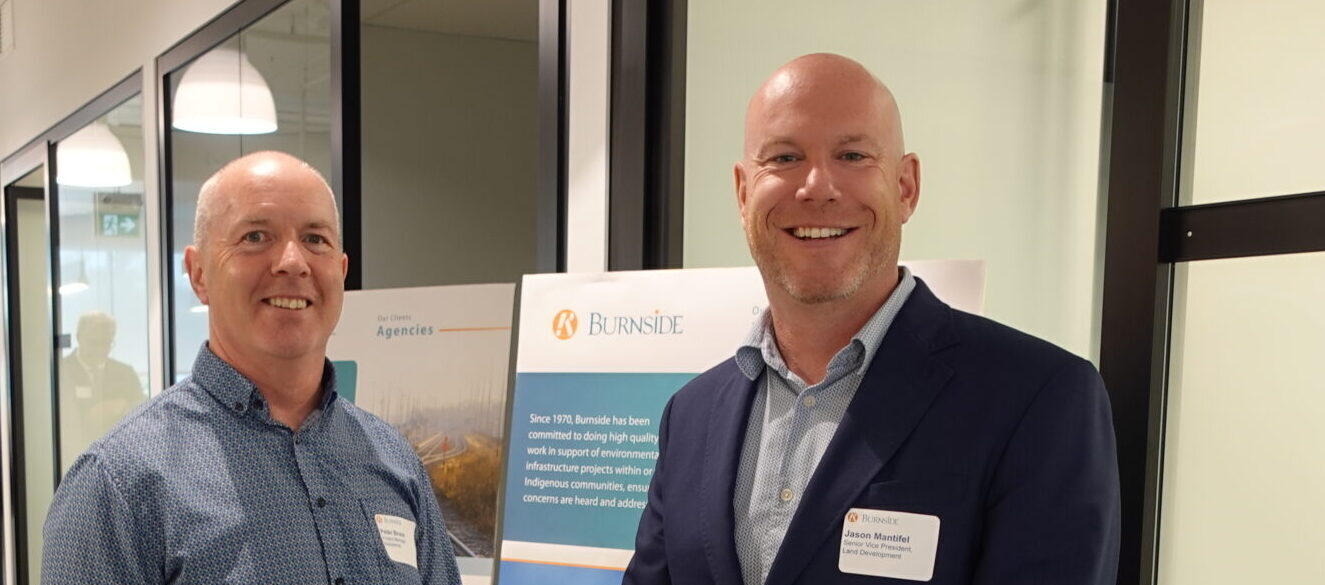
866, 432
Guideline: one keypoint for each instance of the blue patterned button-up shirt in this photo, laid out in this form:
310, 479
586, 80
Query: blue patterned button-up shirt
200, 485
791, 424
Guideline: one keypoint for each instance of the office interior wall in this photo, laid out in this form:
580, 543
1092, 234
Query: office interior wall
1243, 441
588, 143
449, 155
1001, 99
66, 52
1258, 118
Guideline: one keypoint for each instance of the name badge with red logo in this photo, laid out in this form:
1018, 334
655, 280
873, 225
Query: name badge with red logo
882, 543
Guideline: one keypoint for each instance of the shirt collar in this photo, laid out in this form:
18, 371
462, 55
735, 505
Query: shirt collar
759, 349
236, 391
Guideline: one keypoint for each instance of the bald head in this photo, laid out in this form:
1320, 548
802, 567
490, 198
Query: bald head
259, 170
812, 83
825, 185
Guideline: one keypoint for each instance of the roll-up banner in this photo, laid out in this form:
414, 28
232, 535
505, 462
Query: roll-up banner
433, 362
599, 355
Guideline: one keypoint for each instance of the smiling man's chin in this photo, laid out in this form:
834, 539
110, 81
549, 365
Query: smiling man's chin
289, 346
815, 293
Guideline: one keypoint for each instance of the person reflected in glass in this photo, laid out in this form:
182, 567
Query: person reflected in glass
96, 389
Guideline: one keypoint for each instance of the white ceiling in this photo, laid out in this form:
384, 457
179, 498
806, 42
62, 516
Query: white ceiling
502, 19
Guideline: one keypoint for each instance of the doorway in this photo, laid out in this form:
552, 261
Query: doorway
32, 443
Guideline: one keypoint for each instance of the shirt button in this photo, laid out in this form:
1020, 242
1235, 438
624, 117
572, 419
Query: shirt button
785, 494
809, 401
340, 581
321, 503
239, 406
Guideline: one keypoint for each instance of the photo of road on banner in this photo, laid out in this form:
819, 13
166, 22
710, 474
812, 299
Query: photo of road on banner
433, 363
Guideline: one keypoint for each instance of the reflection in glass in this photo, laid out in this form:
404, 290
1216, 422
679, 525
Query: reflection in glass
93, 157
277, 70
103, 277
1243, 439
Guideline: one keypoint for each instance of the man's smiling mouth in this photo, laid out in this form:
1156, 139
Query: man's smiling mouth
291, 303
818, 233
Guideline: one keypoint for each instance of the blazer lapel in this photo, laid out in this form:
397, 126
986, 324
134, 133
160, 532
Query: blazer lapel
726, 428
893, 397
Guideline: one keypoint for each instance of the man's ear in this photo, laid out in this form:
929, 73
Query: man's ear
193, 266
738, 172
908, 184
344, 266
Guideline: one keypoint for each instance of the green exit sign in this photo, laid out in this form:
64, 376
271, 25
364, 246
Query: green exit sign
119, 225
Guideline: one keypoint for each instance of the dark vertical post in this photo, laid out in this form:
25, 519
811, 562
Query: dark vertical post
1143, 113
347, 132
647, 144
18, 479
665, 196
627, 135
551, 223
165, 113
53, 249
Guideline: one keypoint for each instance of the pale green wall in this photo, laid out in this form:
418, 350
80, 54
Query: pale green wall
1000, 98
1244, 444
35, 329
1258, 111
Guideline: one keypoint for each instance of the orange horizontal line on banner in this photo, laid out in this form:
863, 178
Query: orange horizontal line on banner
504, 559
457, 329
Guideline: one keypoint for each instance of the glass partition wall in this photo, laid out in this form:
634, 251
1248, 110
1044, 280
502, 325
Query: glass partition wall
1242, 444
76, 304
102, 300
267, 87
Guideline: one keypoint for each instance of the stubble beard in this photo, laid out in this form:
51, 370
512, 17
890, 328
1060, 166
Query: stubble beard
775, 271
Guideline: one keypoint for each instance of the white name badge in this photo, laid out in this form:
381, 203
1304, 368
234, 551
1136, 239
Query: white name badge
880, 543
398, 538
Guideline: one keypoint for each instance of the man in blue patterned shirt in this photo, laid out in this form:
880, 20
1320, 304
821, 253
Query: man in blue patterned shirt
252, 470
866, 432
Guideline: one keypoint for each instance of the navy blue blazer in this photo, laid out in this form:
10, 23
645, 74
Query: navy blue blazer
1004, 437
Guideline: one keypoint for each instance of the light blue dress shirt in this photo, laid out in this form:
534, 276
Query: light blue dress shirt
201, 486
790, 427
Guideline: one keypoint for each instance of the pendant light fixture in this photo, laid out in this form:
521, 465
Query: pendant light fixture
92, 157
77, 286
222, 93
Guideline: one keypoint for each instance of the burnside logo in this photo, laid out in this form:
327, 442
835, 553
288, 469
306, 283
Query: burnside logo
565, 323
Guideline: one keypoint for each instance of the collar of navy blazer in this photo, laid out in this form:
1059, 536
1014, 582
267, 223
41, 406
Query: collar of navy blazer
874, 427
